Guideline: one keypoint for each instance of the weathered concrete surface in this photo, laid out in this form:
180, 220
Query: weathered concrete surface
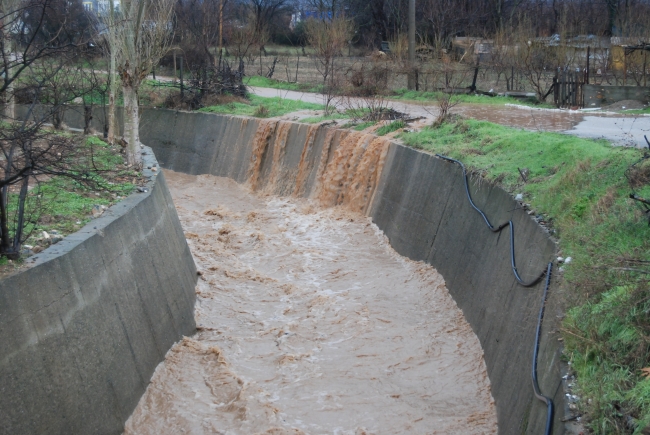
597, 96
421, 206
86, 325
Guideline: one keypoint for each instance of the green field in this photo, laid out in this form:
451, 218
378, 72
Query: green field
262, 107
263, 82
431, 97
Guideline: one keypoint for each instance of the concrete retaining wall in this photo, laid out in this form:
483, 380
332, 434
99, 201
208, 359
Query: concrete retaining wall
598, 96
86, 325
420, 204
422, 207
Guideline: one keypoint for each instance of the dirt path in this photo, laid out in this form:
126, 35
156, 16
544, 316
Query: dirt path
310, 323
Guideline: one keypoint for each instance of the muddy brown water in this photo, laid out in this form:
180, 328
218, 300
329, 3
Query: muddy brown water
520, 117
310, 323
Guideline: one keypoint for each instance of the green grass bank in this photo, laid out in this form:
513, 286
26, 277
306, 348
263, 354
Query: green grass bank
579, 189
264, 82
262, 107
431, 97
61, 205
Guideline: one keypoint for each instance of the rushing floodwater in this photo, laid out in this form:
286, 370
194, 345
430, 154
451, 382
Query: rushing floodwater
309, 323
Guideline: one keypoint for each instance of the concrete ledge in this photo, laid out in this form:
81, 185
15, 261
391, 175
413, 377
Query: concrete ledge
84, 327
597, 96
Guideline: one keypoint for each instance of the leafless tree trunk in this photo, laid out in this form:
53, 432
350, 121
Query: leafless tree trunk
112, 76
8, 14
143, 37
131, 124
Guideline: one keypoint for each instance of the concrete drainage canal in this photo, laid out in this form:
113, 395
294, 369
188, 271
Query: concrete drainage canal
319, 309
309, 322
346, 286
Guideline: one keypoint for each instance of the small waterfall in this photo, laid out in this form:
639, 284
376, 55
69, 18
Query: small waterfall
348, 169
350, 178
304, 167
260, 143
279, 147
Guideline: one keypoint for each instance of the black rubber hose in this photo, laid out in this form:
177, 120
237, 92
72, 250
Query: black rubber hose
496, 229
469, 196
538, 394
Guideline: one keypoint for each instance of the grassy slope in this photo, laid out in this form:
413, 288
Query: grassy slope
356, 115
389, 128
65, 205
68, 202
331, 116
579, 186
264, 82
429, 97
262, 107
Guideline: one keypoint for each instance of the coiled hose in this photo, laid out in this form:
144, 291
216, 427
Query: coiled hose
547, 272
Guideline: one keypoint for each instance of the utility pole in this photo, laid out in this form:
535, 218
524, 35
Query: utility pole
220, 28
411, 66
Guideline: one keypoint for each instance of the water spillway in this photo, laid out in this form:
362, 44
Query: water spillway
419, 203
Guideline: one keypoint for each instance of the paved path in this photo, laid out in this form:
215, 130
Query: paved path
625, 131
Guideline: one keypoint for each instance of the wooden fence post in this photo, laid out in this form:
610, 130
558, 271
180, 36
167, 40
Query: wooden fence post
587, 71
182, 92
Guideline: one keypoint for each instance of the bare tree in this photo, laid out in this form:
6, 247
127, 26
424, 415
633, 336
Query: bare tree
247, 38
33, 154
143, 35
263, 12
54, 83
328, 38
29, 151
198, 28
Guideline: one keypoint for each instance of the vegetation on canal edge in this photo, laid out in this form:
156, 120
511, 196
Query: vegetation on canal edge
389, 128
263, 82
581, 189
262, 107
61, 206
